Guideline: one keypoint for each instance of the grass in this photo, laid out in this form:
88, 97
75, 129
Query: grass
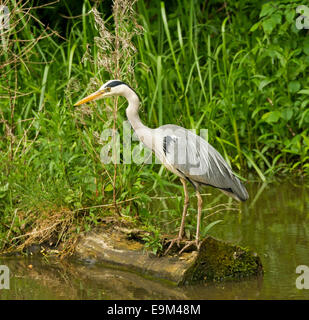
239, 70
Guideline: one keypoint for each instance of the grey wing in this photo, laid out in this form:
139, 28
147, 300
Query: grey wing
201, 163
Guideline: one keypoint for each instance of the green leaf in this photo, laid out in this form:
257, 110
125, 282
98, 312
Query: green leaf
276, 18
268, 25
289, 15
306, 46
294, 86
265, 82
255, 26
108, 188
208, 227
257, 169
304, 117
271, 117
304, 91
306, 139
4, 188
267, 9
287, 114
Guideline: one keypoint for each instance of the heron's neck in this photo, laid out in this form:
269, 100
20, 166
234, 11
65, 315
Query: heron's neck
143, 133
132, 111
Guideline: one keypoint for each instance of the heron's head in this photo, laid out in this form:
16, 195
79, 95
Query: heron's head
109, 89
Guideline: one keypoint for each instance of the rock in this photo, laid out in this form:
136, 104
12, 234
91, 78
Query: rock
219, 260
123, 246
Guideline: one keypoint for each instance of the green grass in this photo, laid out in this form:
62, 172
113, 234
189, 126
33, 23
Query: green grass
240, 71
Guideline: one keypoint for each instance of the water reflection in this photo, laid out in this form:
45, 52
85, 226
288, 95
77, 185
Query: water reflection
36, 279
274, 223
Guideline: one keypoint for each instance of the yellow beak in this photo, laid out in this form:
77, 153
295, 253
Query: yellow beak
91, 97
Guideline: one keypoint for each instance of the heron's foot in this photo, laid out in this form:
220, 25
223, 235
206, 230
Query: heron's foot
172, 242
190, 243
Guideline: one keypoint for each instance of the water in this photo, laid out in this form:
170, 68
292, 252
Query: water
273, 223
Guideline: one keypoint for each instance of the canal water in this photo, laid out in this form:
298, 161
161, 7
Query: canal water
274, 223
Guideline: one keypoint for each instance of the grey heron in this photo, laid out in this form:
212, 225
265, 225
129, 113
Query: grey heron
181, 151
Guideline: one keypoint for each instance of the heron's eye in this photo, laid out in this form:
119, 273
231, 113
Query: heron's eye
108, 89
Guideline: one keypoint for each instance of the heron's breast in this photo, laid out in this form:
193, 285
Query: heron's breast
169, 166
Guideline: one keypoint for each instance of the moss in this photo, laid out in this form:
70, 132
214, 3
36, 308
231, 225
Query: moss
219, 260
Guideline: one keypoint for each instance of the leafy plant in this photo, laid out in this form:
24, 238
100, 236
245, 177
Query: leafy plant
153, 241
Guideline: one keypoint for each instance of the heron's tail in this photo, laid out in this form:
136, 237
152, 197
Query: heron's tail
239, 192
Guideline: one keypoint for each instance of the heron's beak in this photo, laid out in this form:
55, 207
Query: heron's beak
92, 96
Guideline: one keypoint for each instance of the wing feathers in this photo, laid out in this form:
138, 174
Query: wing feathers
201, 163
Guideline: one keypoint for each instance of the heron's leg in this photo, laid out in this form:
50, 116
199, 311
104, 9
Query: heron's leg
199, 215
198, 224
184, 213
185, 208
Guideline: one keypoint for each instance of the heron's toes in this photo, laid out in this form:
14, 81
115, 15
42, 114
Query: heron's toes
190, 243
172, 242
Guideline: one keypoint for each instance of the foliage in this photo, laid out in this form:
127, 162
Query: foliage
153, 241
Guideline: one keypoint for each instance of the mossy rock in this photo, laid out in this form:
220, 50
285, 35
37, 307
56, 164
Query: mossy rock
218, 260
